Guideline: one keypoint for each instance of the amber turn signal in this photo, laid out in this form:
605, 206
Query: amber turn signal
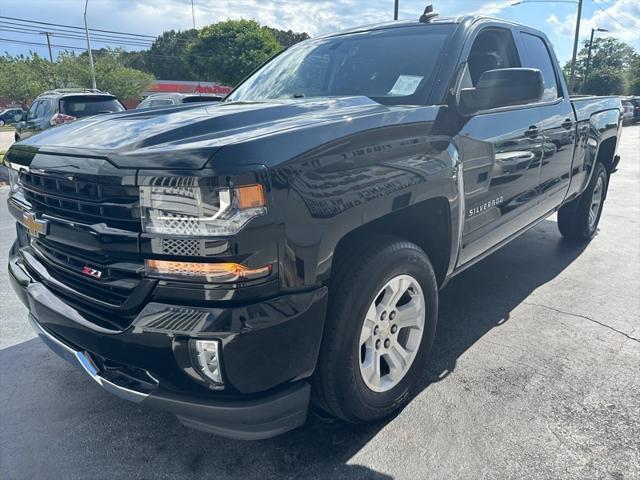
250, 196
209, 272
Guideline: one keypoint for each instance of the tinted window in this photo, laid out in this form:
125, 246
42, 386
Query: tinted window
47, 109
392, 66
160, 102
201, 98
31, 114
492, 49
538, 57
83, 106
144, 104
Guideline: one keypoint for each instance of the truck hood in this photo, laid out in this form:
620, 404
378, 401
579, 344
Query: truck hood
188, 136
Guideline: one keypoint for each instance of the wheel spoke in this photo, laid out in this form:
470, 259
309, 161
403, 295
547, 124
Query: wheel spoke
409, 314
395, 291
397, 358
371, 368
369, 323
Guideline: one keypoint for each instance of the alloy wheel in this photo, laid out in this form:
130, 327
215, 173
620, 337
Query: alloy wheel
596, 203
391, 333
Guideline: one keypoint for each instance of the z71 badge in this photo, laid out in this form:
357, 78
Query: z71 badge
485, 206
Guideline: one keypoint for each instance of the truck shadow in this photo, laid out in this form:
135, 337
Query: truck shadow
54, 421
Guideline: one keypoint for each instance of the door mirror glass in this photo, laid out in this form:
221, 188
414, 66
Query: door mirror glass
501, 88
17, 117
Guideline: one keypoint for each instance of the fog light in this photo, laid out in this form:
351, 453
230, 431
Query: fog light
207, 356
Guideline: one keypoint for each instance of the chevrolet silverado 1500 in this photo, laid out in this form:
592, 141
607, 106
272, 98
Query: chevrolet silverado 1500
235, 263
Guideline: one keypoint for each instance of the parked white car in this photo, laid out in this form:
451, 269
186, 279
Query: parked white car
627, 112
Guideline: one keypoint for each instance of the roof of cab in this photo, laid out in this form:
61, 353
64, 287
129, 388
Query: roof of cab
469, 19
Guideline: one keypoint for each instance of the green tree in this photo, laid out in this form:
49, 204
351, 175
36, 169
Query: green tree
123, 82
228, 51
23, 78
607, 54
287, 38
167, 58
604, 82
633, 77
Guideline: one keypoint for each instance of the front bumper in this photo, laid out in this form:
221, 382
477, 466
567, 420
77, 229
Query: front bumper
146, 363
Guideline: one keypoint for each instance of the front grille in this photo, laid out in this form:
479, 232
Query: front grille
114, 287
83, 201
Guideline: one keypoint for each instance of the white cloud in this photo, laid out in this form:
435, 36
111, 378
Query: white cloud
492, 8
621, 18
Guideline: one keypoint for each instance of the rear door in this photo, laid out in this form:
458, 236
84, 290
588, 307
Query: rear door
501, 150
557, 124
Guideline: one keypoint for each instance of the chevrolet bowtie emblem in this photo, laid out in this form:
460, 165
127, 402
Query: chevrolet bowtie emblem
36, 227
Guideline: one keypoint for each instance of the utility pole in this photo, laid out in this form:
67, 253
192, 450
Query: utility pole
86, 29
586, 70
193, 18
48, 34
53, 77
575, 48
575, 38
395, 10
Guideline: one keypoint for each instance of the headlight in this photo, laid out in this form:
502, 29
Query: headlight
187, 206
14, 180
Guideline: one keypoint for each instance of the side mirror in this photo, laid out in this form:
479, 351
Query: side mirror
17, 117
502, 88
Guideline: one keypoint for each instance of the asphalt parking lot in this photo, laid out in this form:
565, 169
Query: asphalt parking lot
535, 374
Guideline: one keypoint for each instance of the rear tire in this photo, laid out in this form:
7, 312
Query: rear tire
355, 380
579, 219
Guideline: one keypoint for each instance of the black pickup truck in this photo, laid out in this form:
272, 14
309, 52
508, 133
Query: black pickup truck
234, 263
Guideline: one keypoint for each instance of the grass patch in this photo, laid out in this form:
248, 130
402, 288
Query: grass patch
7, 128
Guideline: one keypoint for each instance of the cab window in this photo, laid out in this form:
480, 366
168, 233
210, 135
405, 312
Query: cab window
492, 49
537, 56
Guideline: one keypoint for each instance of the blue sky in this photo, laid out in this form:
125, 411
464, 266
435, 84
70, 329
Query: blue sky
151, 17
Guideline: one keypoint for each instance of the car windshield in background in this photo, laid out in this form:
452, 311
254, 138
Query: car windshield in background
83, 106
392, 66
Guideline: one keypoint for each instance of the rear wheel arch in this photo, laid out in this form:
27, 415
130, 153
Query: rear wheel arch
606, 152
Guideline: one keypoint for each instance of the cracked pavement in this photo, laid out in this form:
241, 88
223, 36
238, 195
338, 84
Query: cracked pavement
535, 374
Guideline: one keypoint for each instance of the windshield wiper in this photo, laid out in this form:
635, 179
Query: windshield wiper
298, 95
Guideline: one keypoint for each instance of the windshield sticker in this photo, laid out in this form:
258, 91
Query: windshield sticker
405, 85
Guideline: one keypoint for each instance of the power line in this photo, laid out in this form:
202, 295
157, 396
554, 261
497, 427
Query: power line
22, 42
77, 28
25, 42
60, 32
72, 31
628, 29
73, 37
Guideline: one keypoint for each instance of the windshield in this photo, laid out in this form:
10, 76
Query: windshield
84, 106
392, 66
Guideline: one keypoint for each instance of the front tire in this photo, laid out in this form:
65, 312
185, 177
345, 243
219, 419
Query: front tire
379, 330
579, 219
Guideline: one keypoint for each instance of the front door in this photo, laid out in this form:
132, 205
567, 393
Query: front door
501, 151
35, 117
